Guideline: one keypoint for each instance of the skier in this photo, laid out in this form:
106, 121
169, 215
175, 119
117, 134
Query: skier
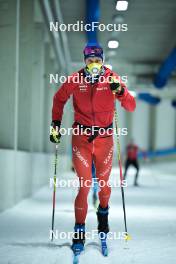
93, 102
132, 159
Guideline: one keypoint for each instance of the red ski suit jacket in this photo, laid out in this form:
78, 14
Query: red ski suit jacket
93, 103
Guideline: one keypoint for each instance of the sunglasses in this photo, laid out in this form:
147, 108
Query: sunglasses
91, 50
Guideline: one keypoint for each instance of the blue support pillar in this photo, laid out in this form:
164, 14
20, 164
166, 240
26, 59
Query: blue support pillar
165, 70
92, 15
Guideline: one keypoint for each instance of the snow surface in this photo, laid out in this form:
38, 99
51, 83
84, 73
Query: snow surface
151, 220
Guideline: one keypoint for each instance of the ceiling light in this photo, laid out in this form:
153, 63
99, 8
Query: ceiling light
113, 44
110, 53
122, 5
119, 19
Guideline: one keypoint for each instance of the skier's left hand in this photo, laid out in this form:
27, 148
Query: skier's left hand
115, 86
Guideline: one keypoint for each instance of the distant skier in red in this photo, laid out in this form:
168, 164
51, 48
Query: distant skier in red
132, 160
93, 103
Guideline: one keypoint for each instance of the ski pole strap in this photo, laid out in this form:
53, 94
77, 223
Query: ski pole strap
94, 130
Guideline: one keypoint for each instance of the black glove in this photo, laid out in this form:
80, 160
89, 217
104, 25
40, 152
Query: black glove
54, 131
115, 86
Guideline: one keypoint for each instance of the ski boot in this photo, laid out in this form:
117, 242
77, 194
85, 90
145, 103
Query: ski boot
103, 228
78, 241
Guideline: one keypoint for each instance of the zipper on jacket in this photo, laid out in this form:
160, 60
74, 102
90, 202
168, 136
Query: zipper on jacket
93, 114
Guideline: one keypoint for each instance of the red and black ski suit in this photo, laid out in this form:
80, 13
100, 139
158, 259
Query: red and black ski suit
93, 106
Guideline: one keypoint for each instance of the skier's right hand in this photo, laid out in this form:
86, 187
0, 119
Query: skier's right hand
54, 131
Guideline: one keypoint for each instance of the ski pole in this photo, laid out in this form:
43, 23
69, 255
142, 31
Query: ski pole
127, 237
54, 190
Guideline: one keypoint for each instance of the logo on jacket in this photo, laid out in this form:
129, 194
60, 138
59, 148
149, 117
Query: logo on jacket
102, 88
83, 88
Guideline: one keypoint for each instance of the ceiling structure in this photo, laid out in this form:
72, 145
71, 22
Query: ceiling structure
142, 48
151, 29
